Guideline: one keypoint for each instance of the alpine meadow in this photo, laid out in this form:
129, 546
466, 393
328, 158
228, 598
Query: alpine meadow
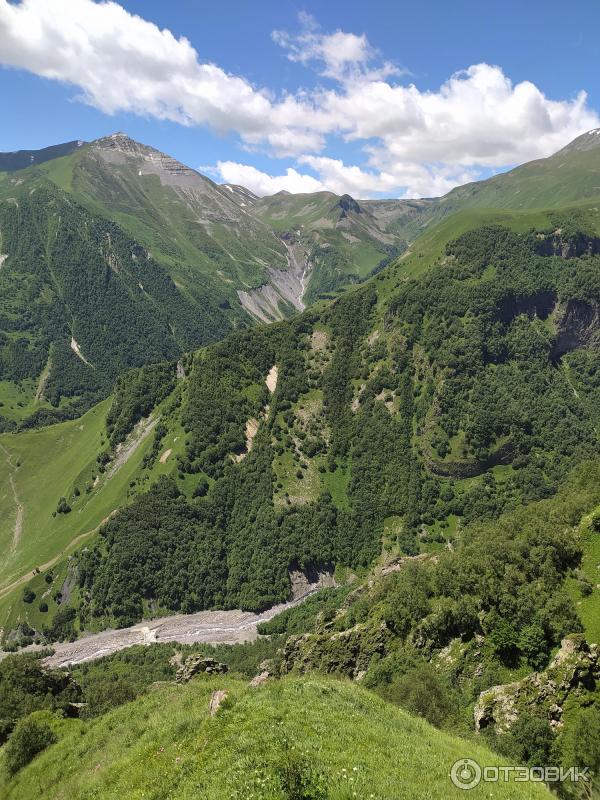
299, 402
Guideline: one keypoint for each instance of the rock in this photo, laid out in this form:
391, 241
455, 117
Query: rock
194, 665
259, 679
73, 710
347, 652
574, 670
216, 701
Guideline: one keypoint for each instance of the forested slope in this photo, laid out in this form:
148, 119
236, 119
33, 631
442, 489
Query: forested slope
390, 420
80, 302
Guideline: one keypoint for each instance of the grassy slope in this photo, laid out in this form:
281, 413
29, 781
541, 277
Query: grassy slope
52, 462
155, 215
344, 740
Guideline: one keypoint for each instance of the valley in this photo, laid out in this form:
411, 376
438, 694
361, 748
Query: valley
306, 435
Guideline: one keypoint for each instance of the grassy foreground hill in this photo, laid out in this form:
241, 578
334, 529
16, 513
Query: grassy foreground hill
315, 739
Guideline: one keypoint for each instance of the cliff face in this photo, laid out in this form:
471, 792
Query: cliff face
577, 325
564, 246
573, 671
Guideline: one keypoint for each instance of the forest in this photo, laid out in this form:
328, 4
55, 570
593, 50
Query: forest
444, 401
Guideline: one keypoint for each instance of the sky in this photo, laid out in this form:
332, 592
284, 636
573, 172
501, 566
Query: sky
378, 98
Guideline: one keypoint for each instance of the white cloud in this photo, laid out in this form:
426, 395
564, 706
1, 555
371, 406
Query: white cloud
335, 53
406, 180
261, 183
477, 117
413, 140
121, 62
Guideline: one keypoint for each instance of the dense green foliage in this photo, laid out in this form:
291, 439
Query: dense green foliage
74, 277
26, 687
463, 374
29, 738
135, 395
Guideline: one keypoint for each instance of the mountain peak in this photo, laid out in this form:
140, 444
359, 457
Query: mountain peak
120, 142
587, 141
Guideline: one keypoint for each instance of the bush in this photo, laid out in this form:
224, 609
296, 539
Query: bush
28, 595
63, 507
530, 741
29, 738
421, 691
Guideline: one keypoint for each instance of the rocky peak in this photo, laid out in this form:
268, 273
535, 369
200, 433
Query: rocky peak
118, 148
347, 204
587, 141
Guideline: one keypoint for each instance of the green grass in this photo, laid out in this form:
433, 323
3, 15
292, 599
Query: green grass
51, 462
340, 740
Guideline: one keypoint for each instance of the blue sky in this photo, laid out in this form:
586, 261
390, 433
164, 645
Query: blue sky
377, 99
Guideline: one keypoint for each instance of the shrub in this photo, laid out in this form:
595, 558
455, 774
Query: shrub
63, 507
28, 595
29, 738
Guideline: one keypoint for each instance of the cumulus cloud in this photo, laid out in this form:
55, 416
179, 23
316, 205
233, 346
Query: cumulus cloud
478, 117
403, 179
414, 141
338, 54
121, 62
406, 180
261, 183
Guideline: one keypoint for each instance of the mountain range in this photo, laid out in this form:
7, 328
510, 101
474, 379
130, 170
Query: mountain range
213, 400
115, 254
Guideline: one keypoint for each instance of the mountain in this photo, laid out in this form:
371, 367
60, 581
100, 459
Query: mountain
393, 417
113, 254
21, 159
342, 241
570, 176
431, 448
213, 235
427, 442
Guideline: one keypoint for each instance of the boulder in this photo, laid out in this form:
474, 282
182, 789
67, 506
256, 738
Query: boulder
193, 665
216, 700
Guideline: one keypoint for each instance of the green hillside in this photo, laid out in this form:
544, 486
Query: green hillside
80, 302
398, 414
344, 241
314, 738
568, 177
185, 219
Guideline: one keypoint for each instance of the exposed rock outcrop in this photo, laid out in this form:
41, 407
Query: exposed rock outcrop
217, 700
556, 244
577, 325
574, 670
346, 652
194, 665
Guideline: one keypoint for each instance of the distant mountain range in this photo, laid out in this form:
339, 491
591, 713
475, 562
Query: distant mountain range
113, 254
